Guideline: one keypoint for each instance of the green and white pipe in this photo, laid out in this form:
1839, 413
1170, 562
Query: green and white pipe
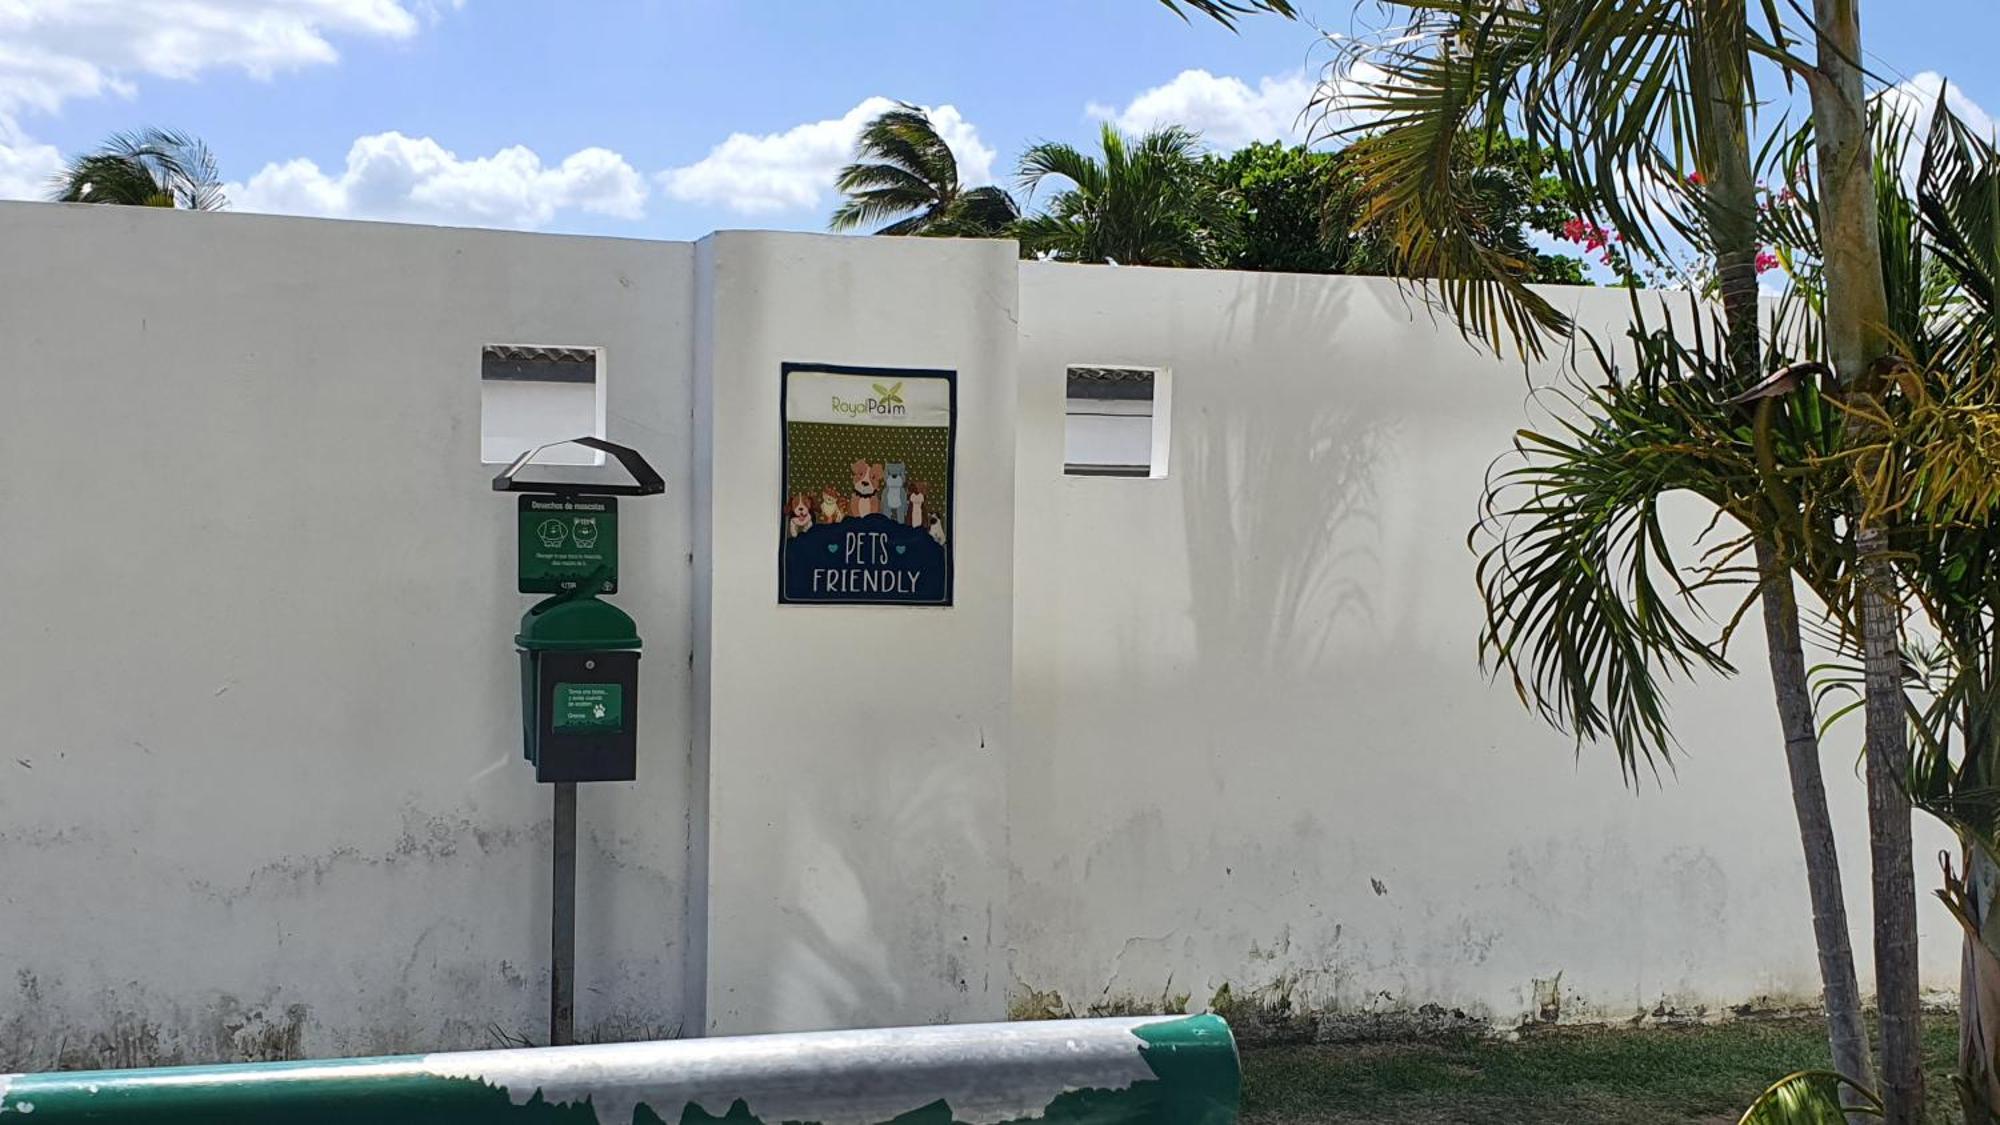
1179, 1070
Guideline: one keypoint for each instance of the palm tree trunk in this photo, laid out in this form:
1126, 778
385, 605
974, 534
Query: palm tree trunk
1979, 990
1894, 867
1847, 1033
1857, 309
1976, 902
1721, 67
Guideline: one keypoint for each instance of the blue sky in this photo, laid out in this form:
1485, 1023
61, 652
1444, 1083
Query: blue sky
670, 118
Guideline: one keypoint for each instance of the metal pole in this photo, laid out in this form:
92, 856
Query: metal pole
562, 921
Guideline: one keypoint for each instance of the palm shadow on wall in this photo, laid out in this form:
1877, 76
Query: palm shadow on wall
1280, 498
1276, 464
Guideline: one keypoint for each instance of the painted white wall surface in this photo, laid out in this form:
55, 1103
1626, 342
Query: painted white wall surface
516, 415
1253, 744
855, 757
263, 790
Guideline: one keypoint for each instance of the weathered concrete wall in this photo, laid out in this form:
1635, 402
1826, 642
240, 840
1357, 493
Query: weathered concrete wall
1254, 745
262, 790
854, 758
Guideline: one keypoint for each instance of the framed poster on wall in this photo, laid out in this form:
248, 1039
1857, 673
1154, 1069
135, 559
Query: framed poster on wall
868, 481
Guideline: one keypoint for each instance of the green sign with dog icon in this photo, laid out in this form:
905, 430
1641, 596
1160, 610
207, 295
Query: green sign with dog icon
565, 541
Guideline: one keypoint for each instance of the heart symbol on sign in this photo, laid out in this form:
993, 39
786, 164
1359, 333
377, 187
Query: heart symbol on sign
901, 547
832, 548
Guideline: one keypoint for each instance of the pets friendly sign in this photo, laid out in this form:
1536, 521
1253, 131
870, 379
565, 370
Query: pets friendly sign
865, 515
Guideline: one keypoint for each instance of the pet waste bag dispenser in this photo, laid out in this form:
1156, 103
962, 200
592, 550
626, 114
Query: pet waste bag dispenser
580, 688
579, 653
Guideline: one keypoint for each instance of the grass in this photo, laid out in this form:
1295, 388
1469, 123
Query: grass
1574, 1076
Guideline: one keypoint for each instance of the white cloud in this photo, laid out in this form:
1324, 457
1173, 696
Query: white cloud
55, 50
25, 166
1918, 98
415, 179
1229, 113
1225, 110
794, 170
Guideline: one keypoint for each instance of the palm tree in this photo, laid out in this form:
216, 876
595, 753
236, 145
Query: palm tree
1588, 491
1629, 98
1143, 202
1935, 441
149, 168
1623, 78
905, 175
1940, 240
1860, 348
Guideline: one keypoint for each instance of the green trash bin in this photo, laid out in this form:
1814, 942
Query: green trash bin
579, 688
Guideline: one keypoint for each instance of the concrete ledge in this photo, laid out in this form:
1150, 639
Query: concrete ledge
1109, 1071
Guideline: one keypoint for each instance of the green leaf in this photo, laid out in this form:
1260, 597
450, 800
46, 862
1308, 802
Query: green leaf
1810, 1097
147, 168
1225, 12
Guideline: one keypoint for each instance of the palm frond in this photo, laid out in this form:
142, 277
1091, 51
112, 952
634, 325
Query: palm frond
1958, 195
905, 176
1580, 581
878, 177
1226, 12
890, 207
108, 179
1628, 98
906, 138
983, 212
1054, 158
1138, 201
1420, 107
150, 167
1811, 1097
1591, 607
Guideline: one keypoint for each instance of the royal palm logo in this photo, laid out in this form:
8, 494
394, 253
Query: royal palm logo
886, 402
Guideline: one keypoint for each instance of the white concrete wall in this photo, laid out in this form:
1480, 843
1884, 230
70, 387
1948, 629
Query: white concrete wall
854, 756
1254, 746
263, 791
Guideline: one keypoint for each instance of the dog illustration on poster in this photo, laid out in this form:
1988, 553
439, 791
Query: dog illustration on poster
831, 508
896, 491
867, 493
867, 482
799, 515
